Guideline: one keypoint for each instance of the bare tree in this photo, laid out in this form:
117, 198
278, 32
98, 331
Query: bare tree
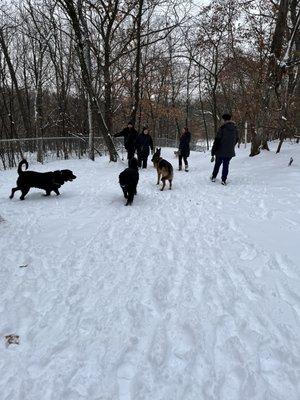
72, 13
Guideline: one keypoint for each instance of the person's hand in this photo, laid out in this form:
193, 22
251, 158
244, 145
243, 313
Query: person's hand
212, 159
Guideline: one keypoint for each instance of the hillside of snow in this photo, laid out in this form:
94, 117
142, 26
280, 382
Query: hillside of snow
189, 294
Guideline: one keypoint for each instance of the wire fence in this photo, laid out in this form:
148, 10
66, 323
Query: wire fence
54, 148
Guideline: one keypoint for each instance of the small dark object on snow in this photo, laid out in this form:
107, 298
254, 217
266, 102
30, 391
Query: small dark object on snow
291, 161
23, 266
12, 339
128, 180
48, 181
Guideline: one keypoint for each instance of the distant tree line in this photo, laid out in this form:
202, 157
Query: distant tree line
70, 67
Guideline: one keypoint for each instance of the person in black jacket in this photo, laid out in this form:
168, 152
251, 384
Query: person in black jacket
130, 135
144, 143
184, 148
223, 147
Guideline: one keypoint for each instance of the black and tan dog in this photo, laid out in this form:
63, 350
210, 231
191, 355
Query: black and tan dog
128, 180
164, 169
48, 181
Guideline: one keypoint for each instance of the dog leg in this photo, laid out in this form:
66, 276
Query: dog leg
13, 190
130, 198
24, 192
158, 177
164, 183
125, 192
170, 181
56, 191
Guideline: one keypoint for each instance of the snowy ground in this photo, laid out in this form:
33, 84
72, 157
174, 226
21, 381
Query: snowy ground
189, 294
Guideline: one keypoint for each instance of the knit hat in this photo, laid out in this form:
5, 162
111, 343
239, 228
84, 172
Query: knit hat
226, 116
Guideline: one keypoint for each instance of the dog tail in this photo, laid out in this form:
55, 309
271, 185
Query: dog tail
20, 171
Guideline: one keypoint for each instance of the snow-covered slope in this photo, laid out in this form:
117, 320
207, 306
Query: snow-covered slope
189, 294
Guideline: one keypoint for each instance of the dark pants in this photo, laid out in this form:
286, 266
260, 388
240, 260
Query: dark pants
219, 161
184, 159
142, 159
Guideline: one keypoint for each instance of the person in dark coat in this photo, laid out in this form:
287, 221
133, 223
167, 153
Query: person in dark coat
223, 147
130, 135
144, 143
184, 148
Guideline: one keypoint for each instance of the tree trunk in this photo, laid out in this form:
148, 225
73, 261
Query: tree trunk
255, 141
91, 149
279, 145
12, 73
38, 120
87, 58
137, 62
187, 102
274, 71
202, 111
86, 77
107, 89
296, 57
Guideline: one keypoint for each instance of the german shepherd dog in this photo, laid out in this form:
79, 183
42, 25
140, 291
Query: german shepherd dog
48, 181
128, 180
164, 169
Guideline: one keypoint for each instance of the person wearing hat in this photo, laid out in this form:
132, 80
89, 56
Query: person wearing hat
184, 148
144, 143
223, 147
130, 135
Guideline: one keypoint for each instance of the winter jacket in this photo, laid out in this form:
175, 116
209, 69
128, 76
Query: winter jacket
225, 141
130, 136
184, 144
144, 143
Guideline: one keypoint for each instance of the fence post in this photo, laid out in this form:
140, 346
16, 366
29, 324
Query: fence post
246, 133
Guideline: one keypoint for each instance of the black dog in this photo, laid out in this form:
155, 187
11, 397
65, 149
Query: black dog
48, 181
128, 180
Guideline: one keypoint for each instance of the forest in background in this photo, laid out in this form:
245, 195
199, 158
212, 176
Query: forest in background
85, 68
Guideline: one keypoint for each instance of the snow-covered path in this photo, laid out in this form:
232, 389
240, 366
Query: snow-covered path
189, 294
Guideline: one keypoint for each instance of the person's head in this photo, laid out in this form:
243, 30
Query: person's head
130, 124
145, 130
226, 117
185, 129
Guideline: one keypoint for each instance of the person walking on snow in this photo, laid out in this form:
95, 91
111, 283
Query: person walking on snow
184, 148
130, 135
223, 147
144, 143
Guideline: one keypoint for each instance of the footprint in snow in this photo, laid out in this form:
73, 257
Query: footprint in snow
248, 253
161, 289
159, 347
